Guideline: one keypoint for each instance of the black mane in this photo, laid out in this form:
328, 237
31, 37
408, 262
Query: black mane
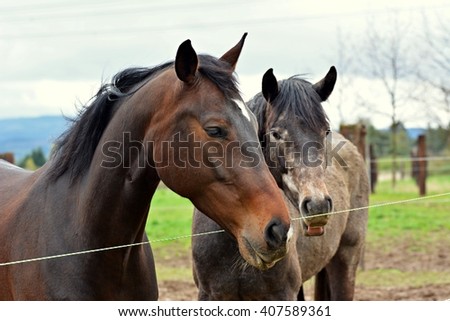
218, 72
75, 148
297, 98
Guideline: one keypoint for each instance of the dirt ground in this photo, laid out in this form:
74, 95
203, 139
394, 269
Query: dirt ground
436, 260
186, 291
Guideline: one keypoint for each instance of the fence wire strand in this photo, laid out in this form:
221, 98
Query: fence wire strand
168, 239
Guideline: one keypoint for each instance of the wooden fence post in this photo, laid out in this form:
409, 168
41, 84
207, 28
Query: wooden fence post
357, 135
422, 164
373, 169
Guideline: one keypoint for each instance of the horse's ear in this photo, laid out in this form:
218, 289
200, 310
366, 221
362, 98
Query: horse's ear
232, 55
326, 85
186, 62
269, 85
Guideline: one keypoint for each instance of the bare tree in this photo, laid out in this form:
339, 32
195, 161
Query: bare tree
384, 56
434, 70
344, 67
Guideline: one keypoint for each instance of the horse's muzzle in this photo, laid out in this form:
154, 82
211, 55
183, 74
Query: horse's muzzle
314, 216
276, 234
264, 256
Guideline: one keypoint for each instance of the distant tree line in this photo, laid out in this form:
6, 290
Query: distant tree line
438, 142
34, 160
382, 141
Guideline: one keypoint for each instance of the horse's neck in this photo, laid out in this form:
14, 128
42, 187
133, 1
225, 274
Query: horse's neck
115, 206
119, 196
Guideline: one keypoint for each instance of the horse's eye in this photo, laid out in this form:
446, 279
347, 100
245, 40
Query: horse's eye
276, 135
216, 132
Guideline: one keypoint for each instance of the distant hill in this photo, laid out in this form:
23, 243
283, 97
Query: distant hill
413, 133
21, 135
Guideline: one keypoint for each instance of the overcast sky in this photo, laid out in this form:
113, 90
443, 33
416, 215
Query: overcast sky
55, 54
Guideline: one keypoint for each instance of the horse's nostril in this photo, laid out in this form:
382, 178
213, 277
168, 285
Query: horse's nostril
312, 207
330, 203
276, 233
306, 205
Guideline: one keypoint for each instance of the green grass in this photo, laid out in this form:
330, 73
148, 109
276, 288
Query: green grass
417, 219
434, 166
170, 217
384, 164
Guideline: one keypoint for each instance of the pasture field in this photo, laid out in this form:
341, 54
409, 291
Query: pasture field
407, 247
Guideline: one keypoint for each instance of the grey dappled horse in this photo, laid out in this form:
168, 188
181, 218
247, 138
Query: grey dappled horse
319, 172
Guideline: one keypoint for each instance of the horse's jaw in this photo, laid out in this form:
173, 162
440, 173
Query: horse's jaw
260, 259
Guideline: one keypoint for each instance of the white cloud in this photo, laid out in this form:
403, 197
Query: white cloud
44, 97
48, 50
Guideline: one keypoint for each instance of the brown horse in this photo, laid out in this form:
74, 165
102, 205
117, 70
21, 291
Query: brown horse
319, 172
149, 124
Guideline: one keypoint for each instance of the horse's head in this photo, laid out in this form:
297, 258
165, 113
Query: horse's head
206, 149
293, 129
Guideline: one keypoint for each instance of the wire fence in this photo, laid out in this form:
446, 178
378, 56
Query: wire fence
437, 198
409, 159
168, 239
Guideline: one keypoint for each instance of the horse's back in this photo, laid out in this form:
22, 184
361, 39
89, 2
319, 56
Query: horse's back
354, 173
347, 177
8, 170
13, 181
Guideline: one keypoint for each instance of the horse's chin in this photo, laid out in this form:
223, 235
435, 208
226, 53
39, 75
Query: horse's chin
260, 259
314, 230
317, 229
314, 226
